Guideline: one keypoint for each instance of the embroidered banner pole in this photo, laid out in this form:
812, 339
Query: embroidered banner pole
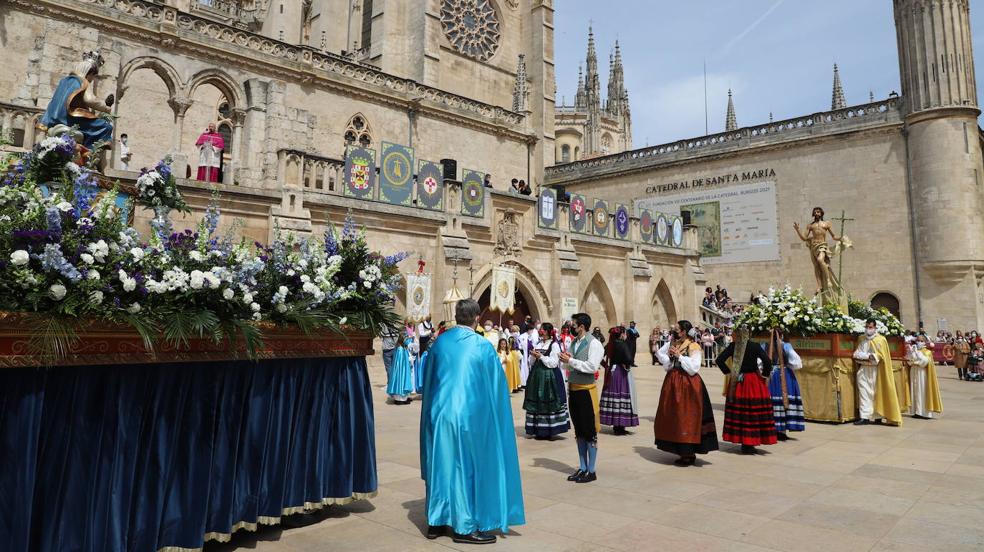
503, 292
418, 296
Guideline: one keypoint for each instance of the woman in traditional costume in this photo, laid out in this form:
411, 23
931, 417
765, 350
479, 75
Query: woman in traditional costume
545, 402
748, 417
401, 382
619, 403
787, 402
684, 422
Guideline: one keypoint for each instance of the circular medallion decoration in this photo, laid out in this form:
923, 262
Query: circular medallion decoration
600, 218
418, 296
396, 167
471, 26
577, 213
646, 226
662, 229
677, 232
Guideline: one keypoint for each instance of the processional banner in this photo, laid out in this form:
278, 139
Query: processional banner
579, 213
548, 208
360, 172
621, 221
676, 232
430, 185
601, 217
646, 225
662, 229
503, 289
418, 296
472, 193
396, 174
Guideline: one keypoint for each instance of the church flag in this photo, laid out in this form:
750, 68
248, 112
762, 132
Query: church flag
418, 296
579, 213
676, 232
662, 229
396, 174
472, 193
430, 185
646, 226
621, 221
360, 172
548, 208
601, 218
503, 293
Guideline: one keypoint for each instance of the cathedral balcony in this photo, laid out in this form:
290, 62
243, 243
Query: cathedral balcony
237, 13
18, 126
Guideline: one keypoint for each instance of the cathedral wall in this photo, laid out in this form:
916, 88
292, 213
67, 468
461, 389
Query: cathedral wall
863, 174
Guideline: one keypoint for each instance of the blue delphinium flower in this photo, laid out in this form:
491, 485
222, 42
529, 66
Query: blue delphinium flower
85, 190
53, 260
331, 244
53, 216
212, 216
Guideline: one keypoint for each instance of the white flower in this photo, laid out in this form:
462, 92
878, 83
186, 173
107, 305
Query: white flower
57, 292
343, 320
197, 279
257, 316
92, 274
98, 250
64, 206
282, 290
247, 297
133, 308
281, 308
138, 254
19, 257
96, 297
196, 256
228, 294
85, 221
305, 278
255, 307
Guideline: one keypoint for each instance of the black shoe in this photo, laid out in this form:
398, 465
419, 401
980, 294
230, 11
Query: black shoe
684, 462
586, 477
782, 437
473, 538
434, 531
574, 476
747, 449
862, 422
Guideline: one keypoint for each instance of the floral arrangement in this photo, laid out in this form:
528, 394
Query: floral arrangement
792, 312
65, 252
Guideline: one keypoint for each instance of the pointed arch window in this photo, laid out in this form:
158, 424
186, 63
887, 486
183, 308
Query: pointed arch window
358, 132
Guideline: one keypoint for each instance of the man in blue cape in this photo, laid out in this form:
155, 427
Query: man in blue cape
468, 457
74, 104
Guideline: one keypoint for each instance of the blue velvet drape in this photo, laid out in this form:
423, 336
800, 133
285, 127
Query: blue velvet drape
138, 458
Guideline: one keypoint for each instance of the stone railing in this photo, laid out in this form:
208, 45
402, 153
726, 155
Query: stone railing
777, 131
565, 109
216, 33
18, 125
312, 172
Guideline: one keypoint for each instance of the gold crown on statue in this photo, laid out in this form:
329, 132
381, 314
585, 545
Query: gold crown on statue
94, 57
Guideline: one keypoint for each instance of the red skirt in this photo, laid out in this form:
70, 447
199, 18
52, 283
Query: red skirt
748, 418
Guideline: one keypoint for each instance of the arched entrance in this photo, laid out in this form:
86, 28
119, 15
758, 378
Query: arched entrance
887, 300
531, 297
597, 302
522, 309
663, 308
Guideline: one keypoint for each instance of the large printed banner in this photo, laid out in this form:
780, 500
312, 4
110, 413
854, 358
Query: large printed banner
472, 193
579, 213
548, 208
396, 174
646, 225
418, 296
360, 172
430, 185
738, 224
602, 219
621, 221
503, 289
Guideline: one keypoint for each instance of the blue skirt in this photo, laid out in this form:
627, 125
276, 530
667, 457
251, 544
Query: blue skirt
401, 374
787, 418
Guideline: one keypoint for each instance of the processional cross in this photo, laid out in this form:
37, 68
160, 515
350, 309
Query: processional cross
840, 259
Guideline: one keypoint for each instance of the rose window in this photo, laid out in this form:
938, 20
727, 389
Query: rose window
471, 26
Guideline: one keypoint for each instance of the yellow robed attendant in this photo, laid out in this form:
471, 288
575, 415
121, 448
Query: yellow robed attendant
876, 382
922, 377
512, 370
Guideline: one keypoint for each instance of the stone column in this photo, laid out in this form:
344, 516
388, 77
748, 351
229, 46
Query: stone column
238, 119
179, 161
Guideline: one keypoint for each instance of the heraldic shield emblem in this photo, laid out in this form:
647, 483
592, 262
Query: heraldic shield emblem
430, 185
601, 218
646, 225
621, 221
360, 172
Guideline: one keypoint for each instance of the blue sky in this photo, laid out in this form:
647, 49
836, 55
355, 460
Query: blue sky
777, 56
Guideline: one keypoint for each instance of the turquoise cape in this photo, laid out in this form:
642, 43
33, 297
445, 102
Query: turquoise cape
468, 455
57, 113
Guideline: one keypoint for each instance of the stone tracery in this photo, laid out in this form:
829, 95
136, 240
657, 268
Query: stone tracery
472, 27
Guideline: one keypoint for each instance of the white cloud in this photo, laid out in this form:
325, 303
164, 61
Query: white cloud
738, 38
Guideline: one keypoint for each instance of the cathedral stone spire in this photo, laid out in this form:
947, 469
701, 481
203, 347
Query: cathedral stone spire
592, 82
731, 123
617, 96
838, 101
521, 88
579, 100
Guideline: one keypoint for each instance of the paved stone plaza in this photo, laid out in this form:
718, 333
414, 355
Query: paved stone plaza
835, 488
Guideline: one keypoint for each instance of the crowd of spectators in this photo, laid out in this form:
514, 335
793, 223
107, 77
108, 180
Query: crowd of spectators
718, 300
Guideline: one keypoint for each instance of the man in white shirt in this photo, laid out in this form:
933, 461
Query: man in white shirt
583, 360
125, 154
425, 330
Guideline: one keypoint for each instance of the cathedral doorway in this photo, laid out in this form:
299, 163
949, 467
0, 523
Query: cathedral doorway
521, 310
888, 301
